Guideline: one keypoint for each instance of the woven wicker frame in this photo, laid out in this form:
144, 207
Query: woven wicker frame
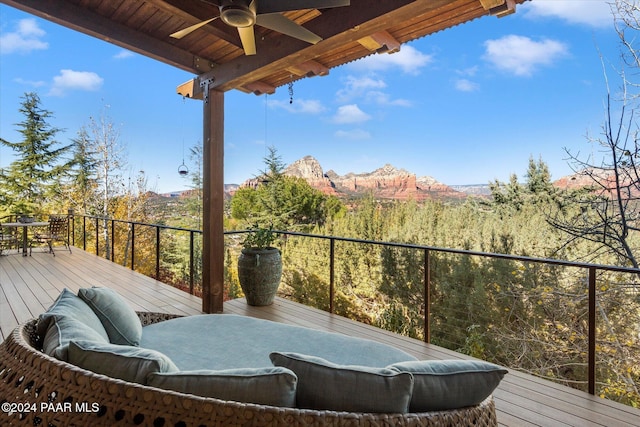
28, 376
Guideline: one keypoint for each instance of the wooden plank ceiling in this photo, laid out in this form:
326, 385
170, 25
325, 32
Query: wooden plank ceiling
214, 51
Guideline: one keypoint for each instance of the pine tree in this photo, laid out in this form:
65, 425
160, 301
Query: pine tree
33, 179
82, 182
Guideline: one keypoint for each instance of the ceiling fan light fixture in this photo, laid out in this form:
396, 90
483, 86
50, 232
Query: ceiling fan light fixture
238, 16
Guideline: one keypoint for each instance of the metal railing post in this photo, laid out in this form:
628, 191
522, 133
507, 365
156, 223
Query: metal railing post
191, 263
133, 244
332, 290
592, 331
97, 237
427, 296
113, 240
73, 230
157, 252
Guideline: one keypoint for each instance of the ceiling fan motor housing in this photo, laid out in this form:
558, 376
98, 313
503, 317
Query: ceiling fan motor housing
237, 15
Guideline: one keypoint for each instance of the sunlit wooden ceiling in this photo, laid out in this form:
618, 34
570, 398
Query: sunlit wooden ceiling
215, 51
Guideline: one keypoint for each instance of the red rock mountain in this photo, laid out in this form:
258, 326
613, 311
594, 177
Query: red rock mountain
584, 178
386, 182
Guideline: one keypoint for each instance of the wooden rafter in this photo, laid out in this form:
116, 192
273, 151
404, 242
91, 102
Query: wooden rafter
259, 88
309, 69
381, 42
366, 19
93, 24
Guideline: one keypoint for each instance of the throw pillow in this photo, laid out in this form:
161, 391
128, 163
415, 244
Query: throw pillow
69, 304
125, 362
325, 385
450, 384
63, 329
273, 386
119, 320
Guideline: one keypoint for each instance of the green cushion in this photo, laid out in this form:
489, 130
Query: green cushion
119, 320
450, 384
63, 329
222, 343
69, 304
128, 363
272, 386
325, 385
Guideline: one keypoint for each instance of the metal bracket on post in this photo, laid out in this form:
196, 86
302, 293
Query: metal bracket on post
204, 84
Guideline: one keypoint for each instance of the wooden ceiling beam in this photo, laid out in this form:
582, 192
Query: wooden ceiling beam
336, 26
490, 4
508, 8
381, 42
259, 88
90, 23
309, 69
190, 89
195, 12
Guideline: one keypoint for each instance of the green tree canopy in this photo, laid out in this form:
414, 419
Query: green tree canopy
286, 202
538, 188
33, 180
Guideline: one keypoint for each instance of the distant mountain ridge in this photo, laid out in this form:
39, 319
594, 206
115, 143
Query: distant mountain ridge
387, 182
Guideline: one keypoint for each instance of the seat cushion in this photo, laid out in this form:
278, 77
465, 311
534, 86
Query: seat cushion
228, 341
325, 385
125, 362
450, 384
119, 320
272, 386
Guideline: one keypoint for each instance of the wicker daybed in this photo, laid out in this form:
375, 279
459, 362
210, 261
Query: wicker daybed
35, 383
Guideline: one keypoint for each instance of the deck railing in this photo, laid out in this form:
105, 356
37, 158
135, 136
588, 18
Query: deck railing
89, 232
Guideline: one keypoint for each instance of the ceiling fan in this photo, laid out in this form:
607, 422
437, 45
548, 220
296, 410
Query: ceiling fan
244, 14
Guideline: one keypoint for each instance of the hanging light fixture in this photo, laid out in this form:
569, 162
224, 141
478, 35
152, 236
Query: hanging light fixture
183, 170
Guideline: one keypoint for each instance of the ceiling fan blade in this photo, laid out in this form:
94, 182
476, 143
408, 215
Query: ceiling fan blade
180, 34
282, 24
248, 39
272, 6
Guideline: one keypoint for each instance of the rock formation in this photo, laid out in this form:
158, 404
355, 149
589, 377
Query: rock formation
386, 182
309, 169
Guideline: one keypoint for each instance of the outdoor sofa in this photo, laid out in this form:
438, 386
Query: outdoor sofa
91, 360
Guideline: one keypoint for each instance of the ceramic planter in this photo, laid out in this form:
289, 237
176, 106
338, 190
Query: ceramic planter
259, 272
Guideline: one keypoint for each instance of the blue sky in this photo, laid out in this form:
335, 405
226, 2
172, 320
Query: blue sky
465, 106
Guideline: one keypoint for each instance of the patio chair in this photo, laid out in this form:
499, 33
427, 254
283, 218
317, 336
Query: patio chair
57, 232
8, 238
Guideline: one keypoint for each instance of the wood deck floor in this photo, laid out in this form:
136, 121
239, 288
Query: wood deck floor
28, 285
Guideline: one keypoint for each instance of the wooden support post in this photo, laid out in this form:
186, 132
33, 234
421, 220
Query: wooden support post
213, 200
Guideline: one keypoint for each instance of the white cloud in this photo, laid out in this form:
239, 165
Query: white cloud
123, 54
355, 87
355, 134
410, 60
24, 39
469, 72
350, 114
367, 88
302, 106
383, 98
464, 85
595, 13
521, 55
75, 80
33, 83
